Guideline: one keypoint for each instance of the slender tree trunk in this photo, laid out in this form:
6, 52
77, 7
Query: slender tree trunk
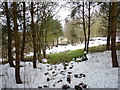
113, 34
16, 38
53, 42
57, 41
108, 36
84, 27
24, 33
33, 35
10, 59
88, 28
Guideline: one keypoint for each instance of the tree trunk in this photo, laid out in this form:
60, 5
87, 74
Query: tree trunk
53, 42
108, 36
57, 42
113, 34
84, 27
16, 38
33, 35
9, 37
24, 33
88, 28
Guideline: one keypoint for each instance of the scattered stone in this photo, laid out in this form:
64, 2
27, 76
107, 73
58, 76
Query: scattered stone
77, 87
46, 73
51, 68
48, 79
82, 75
47, 65
59, 81
83, 85
76, 75
69, 72
55, 66
69, 79
40, 87
71, 67
58, 69
53, 72
45, 86
65, 86
53, 85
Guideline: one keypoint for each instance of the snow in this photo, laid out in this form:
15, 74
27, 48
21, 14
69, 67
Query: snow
97, 69
96, 41
44, 60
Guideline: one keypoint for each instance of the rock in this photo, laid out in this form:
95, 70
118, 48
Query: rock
65, 86
40, 87
69, 79
59, 81
48, 79
77, 87
83, 85
71, 67
46, 73
45, 86
69, 72
53, 72
76, 76
82, 75
53, 85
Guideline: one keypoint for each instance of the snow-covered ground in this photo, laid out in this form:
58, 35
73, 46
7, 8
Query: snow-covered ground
93, 42
97, 69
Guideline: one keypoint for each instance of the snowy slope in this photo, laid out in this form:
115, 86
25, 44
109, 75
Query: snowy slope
97, 70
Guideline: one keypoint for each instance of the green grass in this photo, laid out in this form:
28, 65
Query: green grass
102, 48
69, 55
64, 56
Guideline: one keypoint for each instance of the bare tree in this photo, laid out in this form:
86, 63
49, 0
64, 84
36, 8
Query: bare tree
84, 28
33, 34
89, 17
108, 34
24, 33
113, 33
17, 46
10, 59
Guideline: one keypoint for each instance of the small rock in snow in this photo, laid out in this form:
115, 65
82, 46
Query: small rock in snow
45, 86
65, 86
76, 76
46, 73
40, 87
48, 79
77, 87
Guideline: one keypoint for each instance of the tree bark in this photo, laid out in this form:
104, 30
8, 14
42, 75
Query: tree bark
24, 33
33, 35
108, 36
88, 28
57, 41
84, 27
9, 37
16, 38
113, 34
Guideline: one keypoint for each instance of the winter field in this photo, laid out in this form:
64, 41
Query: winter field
96, 72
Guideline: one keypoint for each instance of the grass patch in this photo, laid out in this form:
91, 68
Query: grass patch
64, 56
102, 48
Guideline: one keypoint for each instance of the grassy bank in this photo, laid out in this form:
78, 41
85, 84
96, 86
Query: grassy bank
64, 56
